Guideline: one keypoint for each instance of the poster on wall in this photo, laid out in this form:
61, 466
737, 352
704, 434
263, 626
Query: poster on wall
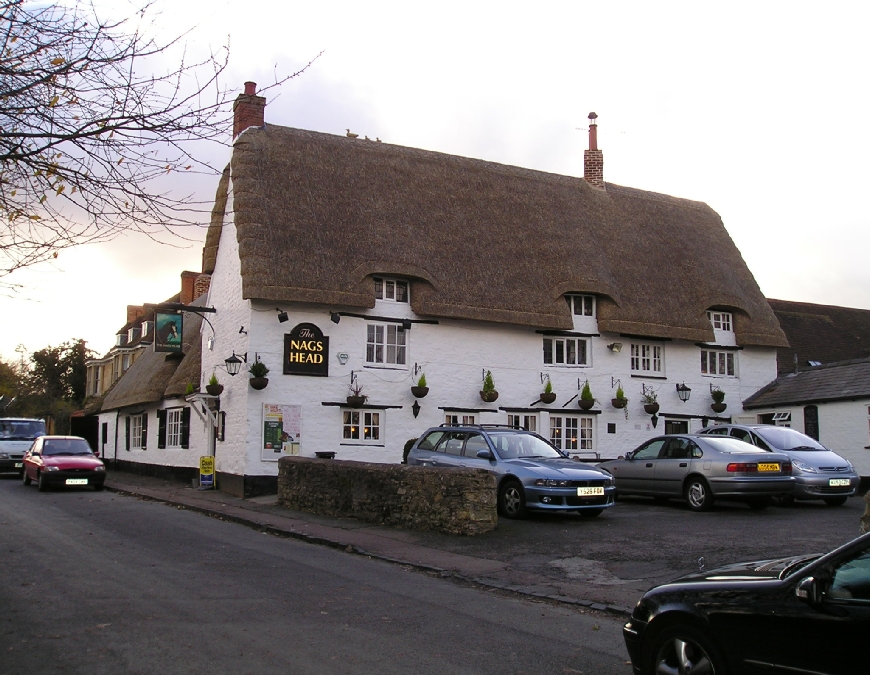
168, 329
282, 431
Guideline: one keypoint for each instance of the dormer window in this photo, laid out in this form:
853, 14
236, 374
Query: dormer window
393, 290
120, 339
132, 334
721, 320
147, 327
581, 305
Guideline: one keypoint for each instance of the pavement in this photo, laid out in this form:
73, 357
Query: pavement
428, 552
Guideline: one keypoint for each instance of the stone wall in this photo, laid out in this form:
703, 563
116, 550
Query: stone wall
456, 501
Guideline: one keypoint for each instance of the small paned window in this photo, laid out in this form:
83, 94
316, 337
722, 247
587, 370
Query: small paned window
567, 351
137, 438
571, 432
647, 358
391, 289
720, 320
173, 427
581, 305
361, 426
527, 422
386, 343
459, 419
717, 363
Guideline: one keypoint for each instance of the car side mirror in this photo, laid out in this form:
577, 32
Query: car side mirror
485, 454
808, 589
629, 455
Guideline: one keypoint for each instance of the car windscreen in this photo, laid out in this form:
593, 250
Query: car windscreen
726, 444
66, 446
513, 445
21, 430
784, 438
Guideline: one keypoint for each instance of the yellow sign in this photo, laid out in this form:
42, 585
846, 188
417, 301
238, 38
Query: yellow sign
206, 465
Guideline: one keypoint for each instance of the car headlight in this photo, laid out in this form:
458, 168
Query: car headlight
4, 455
50, 468
608, 482
803, 466
99, 468
549, 482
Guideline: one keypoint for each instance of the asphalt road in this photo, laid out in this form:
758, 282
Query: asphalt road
103, 583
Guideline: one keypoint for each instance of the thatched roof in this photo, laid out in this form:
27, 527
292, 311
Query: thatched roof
156, 375
823, 333
317, 215
844, 381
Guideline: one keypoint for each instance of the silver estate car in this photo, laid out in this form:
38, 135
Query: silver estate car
819, 473
530, 473
702, 469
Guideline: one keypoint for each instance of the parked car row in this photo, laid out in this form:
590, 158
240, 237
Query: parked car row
62, 461
755, 464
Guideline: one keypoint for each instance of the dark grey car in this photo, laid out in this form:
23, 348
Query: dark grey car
702, 469
531, 474
819, 473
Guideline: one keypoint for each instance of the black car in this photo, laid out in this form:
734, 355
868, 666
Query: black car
806, 614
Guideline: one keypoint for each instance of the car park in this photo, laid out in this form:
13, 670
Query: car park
819, 472
800, 614
702, 469
63, 461
16, 436
531, 474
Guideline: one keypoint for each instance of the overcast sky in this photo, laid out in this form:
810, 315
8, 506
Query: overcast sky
759, 109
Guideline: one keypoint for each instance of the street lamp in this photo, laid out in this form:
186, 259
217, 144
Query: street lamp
683, 392
234, 364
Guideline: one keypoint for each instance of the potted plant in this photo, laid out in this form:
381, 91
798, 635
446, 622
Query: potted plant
488, 394
420, 389
356, 399
258, 372
718, 396
650, 401
548, 396
586, 399
214, 388
620, 401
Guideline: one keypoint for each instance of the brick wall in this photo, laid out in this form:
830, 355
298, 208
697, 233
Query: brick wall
456, 501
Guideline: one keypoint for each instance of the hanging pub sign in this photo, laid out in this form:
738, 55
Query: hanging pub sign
168, 329
306, 351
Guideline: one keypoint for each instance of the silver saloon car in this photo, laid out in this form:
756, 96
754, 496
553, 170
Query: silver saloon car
819, 473
702, 469
530, 473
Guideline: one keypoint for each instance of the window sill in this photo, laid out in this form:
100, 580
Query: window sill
649, 377
388, 366
364, 445
567, 365
719, 377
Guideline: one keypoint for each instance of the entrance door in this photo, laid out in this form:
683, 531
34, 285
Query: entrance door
811, 421
676, 426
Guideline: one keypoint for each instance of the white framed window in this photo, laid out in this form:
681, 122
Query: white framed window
720, 320
393, 290
717, 363
174, 418
581, 305
459, 419
137, 428
527, 422
386, 344
362, 425
566, 351
571, 432
647, 358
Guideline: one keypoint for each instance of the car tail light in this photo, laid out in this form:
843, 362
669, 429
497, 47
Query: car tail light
786, 468
742, 467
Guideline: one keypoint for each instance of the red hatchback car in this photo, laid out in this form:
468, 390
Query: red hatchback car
63, 461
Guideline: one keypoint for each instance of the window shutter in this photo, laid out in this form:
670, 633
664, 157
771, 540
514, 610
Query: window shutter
161, 428
185, 427
127, 425
144, 430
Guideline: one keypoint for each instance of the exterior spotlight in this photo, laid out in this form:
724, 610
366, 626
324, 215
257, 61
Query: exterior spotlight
334, 317
406, 324
615, 347
242, 330
683, 392
282, 316
234, 363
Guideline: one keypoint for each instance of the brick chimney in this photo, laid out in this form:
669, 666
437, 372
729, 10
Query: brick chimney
188, 279
201, 285
593, 158
249, 110
135, 312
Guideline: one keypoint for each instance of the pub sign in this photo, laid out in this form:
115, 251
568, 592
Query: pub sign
168, 329
306, 351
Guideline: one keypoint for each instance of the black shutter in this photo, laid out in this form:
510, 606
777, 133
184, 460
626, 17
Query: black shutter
144, 430
161, 428
185, 427
127, 425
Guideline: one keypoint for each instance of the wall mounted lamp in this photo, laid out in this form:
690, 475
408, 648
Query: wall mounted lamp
234, 363
342, 357
334, 317
683, 392
615, 347
406, 324
282, 315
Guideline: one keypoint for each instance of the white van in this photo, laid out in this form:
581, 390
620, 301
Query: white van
16, 436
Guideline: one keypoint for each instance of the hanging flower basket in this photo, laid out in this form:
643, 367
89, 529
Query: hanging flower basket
619, 402
356, 401
651, 408
586, 403
718, 407
214, 389
259, 382
488, 396
548, 398
419, 392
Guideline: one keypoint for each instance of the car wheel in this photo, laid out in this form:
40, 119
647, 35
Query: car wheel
41, 482
591, 513
25, 478
512, 500
698, 494
684, 650
758, 504
835, 501
784, 500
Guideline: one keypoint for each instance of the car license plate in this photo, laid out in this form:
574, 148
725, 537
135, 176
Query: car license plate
18, 465
76, 481
773, 466
836, 482
590, 491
